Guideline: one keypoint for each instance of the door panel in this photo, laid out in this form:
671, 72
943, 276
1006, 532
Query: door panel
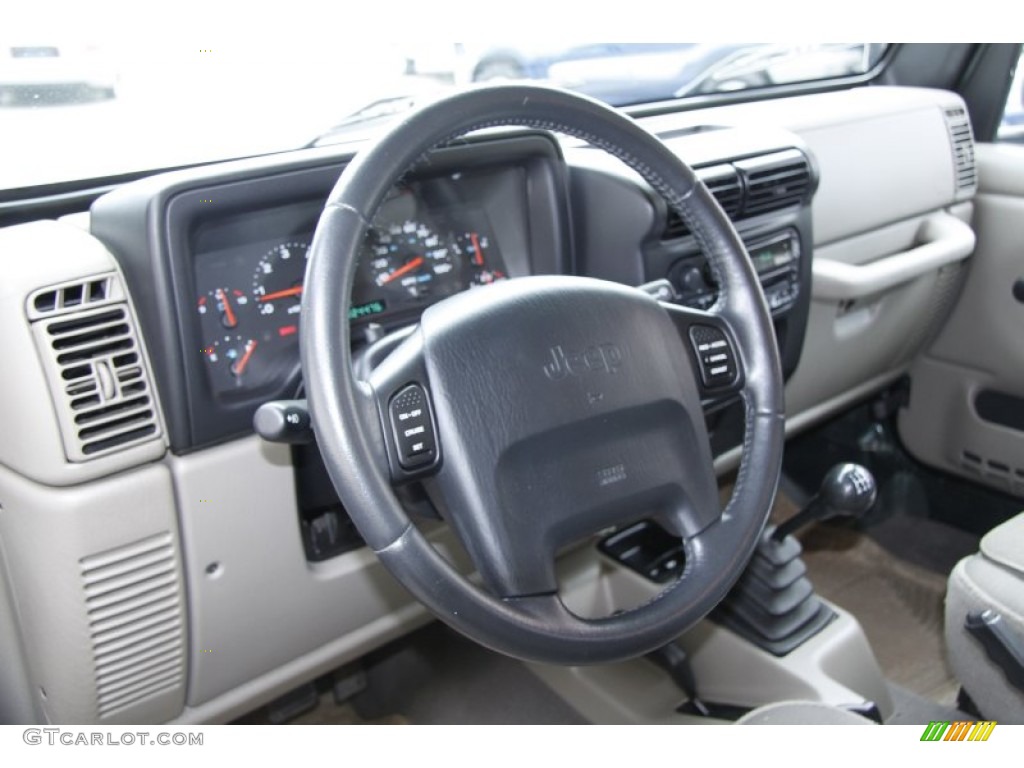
967, 395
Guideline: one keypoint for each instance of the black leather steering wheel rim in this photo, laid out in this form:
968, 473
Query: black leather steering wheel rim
347, 416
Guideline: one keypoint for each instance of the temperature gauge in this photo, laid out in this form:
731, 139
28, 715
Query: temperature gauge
227, 306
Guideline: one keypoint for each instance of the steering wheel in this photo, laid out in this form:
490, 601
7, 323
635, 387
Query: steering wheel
545, 409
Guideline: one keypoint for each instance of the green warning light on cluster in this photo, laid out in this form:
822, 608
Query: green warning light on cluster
366, 310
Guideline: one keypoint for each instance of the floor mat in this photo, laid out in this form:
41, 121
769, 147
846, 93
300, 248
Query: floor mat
899, 604
897, 601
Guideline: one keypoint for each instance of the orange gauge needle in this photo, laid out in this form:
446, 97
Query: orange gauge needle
282, 294
404, 269
479, 258
229, 314
239, 367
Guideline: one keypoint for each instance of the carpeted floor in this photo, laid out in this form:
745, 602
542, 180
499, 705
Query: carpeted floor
438, 677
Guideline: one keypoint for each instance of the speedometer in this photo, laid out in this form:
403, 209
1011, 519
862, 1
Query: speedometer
411, 261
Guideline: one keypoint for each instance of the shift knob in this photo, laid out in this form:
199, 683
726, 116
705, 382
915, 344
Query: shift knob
847, 490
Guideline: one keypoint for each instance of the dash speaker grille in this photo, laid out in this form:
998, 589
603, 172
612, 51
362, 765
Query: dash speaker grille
136, 621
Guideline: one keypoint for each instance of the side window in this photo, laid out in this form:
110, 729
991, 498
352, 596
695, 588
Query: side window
1012, 126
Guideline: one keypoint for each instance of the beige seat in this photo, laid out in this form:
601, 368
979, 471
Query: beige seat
991, 580
802, 713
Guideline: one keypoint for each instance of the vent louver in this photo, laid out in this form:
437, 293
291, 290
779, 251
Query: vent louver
98, 379
724, 185
134, 608
774, 181
962, 144
752, 187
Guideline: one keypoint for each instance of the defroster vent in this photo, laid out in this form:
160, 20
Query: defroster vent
99, 381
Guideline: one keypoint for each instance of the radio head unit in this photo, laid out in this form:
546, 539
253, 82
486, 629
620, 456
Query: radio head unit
776, 259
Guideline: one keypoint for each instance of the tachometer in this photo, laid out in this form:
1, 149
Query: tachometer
277, 285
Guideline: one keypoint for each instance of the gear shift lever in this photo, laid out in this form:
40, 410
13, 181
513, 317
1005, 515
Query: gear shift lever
847, 490
773, 604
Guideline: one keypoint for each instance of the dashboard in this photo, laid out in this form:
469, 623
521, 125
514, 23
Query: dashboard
175, 304
216, 257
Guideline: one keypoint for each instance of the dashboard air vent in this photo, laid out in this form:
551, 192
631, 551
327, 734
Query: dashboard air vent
775, 181
724, 184
98, 379
751, 187
133, 602
962, 143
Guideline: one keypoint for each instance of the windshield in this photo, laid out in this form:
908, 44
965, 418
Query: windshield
81, 109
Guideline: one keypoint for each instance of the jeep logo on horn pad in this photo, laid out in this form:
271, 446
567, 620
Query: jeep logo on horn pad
605, 358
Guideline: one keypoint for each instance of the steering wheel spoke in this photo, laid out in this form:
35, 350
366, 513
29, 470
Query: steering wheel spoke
711, 344
401, 392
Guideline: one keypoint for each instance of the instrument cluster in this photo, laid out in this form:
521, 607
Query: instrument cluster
423, 247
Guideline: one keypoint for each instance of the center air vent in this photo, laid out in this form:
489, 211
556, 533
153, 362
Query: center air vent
98, 380
724, 185
752, 187
774, 181
962, 144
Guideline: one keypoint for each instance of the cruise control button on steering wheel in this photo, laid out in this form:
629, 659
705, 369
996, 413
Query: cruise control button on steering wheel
413, 427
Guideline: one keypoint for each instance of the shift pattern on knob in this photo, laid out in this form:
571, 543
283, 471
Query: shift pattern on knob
847, 489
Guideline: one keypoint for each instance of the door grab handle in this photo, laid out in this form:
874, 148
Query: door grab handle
945, 239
